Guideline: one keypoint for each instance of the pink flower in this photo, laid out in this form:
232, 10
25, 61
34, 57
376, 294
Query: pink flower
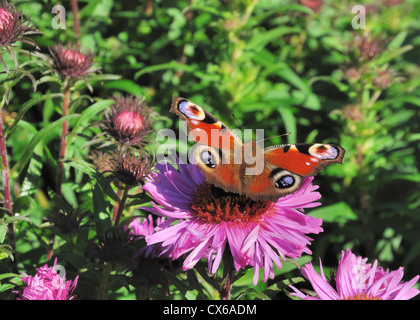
47, 285
144, 227
358, 280
71, 62
128, 121
209, 221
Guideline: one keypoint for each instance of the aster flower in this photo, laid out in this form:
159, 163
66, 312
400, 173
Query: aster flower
358, 280
211, 220
128, 121
141, 227
70, 62
47, 285
13, 27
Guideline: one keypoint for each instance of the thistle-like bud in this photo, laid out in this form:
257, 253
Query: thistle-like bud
368, 47
71, 62
13, 27
128, 166
68, 220
128, 121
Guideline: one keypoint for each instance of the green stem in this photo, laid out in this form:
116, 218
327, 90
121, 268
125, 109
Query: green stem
121, 205
228, 268
103, 286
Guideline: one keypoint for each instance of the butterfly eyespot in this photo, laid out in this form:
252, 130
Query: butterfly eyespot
285, 182
208, 159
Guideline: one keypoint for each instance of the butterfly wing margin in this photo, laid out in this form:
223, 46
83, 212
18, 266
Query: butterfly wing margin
204, 128
304, 159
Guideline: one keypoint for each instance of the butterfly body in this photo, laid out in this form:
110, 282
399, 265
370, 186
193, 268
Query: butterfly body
247, 168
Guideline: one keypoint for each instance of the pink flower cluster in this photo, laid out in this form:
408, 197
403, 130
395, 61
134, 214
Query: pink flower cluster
47, 284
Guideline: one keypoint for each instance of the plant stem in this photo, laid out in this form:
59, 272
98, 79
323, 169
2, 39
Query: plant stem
117, 205
121, 205
63, 142
61, 155
103, 286
5, 171
76, 23
228, 267
6, 190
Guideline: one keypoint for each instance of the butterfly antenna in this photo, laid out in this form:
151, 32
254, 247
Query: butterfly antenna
282, 135
237, 121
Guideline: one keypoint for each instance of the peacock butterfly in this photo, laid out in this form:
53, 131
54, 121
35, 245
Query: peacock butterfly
223, 157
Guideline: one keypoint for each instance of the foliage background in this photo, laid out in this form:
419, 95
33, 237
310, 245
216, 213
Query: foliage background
275, 64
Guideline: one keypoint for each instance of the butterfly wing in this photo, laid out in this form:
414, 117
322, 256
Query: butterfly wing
304, 159
284, 167
216, 145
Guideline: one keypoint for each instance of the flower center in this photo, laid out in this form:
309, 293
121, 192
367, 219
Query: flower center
212, 204
130, 121
362, 296
6, 19
73, 57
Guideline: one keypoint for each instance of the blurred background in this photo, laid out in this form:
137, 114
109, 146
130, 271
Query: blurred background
315, 68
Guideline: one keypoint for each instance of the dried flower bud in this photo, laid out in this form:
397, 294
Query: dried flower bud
128, 120
352, 74
72, 63
67, 220
353, 113
130, 168
368, 47
115, 246
382, 79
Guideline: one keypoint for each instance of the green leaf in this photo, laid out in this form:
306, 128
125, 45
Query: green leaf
254, 293
37, 138
26, 106
124, 85
339, 212
3, 231
23, 203
281, 285
289, 121
165, 66
8, 275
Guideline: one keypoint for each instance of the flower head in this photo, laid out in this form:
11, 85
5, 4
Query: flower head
47, 284
13, 27
128, 120
130, 167
141, 227
368, 46
358, 280
211, 220
71, 62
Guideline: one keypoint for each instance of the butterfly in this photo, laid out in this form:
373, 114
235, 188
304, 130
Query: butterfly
246, 168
